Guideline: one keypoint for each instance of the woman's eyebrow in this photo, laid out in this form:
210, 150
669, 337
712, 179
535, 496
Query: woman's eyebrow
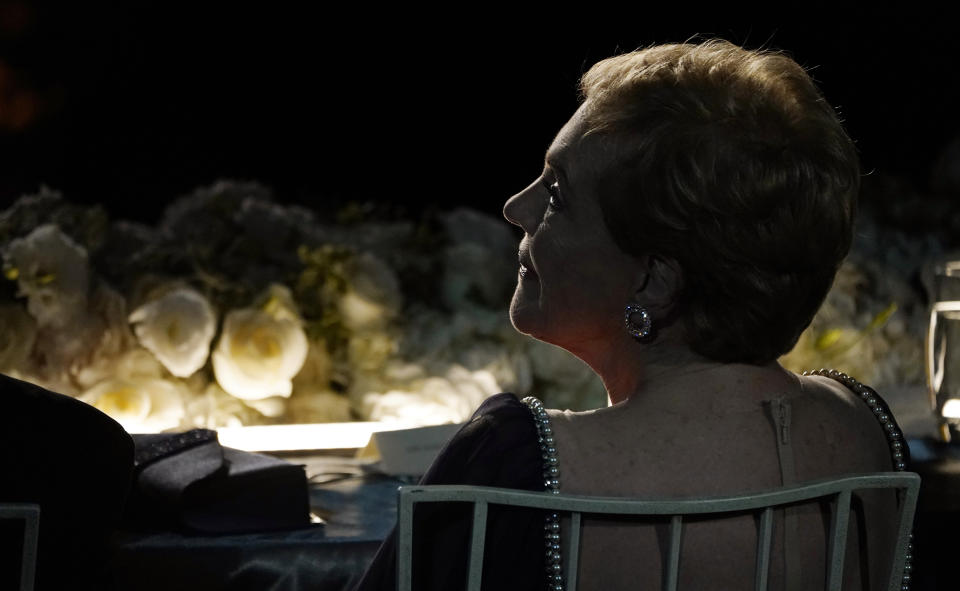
553, 157
552, 161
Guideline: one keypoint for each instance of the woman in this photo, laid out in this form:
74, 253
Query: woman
687, 225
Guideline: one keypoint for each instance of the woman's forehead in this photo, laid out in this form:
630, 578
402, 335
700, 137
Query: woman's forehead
568, 137
579, 157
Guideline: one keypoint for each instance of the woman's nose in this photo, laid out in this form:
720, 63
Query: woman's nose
521, 209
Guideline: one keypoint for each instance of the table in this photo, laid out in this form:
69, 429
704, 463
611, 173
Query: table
359, 510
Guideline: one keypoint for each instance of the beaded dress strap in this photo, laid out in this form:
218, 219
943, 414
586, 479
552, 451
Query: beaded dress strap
551, 484
899, 451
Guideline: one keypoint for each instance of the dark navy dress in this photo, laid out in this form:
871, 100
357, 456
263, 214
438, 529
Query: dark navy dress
497, 447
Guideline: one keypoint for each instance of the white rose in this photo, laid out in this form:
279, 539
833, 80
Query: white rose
317, 368
18, 332
78, 355
393, 375
474, 386
137, 364
464, 225
436, 403
140, 405
258, 354
318, 406
463, 287
178, 328
427, 332
212, 408
401, 372
277, 301
52, 272
511, 370
450, 398
369, 351
271, 407
478, 241
373, 298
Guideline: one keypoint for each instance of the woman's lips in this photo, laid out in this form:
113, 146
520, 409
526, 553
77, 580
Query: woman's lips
526, 264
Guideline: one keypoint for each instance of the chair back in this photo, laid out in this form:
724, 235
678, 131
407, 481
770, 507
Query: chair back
836, 490
29, 513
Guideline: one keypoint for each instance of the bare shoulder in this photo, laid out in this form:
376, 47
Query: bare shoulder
833, 403
840, 432
665, 452
725, 442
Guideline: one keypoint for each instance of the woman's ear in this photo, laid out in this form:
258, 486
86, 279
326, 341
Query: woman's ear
662, 282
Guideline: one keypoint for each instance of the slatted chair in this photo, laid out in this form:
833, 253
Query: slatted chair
30, 515
837, 490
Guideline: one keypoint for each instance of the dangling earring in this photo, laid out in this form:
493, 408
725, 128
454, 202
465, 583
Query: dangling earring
642, 331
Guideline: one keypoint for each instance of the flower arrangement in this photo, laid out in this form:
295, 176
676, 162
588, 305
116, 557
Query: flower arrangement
873, 321
237, 310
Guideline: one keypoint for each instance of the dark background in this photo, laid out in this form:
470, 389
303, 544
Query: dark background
131, 106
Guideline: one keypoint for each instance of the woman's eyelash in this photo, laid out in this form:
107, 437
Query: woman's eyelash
554, 190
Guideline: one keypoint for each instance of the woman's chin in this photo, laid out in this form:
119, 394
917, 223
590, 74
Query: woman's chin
524, 314
531, 322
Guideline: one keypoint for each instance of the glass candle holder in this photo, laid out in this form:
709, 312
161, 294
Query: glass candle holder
943, 348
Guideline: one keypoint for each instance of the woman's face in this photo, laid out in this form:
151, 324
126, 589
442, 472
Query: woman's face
574, 281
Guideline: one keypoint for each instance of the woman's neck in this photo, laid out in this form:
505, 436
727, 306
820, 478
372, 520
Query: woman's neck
668, 367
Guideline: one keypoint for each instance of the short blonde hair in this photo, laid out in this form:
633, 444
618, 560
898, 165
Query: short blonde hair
730, 162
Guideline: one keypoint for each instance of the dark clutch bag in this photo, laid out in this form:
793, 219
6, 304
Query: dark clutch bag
189, 482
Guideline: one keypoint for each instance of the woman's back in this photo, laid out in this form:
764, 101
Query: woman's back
723, 439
